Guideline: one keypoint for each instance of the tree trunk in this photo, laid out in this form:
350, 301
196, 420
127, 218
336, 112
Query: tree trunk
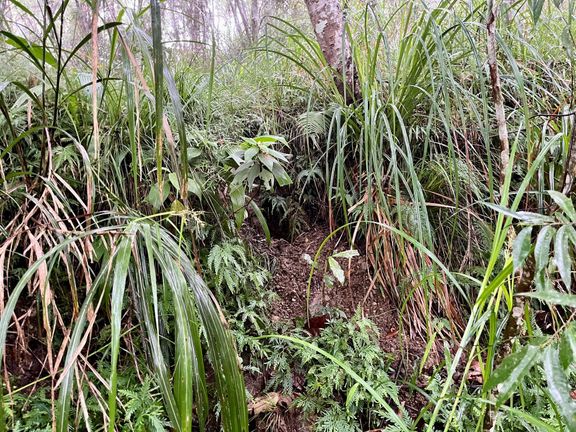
328, 22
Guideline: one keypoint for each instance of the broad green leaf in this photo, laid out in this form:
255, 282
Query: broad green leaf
511, 371
238, 199
521, 247
571, 233
252, 174
524, 216
173, 177
195, 185
261, 219
193, 153
267, 161
237, 156
565, 351
36, 52
279, 155
281, 175
270, 139
553, 297
336, 269
562, 255
350, 395
267, 179
570, 335
241, 173
155, 198
559, 387
250, 153
249, 142
534, 218
542, 247
542, 281
177, 206
351, 253
564, 203
503, 210
536, 6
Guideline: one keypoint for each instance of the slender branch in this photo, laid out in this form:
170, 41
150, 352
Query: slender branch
497, 91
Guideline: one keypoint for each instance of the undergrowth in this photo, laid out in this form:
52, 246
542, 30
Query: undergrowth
129, 168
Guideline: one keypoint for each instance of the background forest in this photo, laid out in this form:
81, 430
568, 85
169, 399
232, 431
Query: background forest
298, 215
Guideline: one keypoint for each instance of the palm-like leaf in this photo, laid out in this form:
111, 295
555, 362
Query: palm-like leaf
148, 260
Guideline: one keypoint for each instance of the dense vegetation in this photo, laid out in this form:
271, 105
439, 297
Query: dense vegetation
151, 168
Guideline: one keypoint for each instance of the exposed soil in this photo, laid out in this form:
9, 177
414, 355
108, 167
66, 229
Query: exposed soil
291, 273
25, 353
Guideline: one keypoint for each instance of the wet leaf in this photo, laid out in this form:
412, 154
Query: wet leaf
155, 198
562, 255
511, 371
351, 253
559, 387
536, 6
521, 247
336, 270
238, 198
565, 351
564, 203
542, 247
554, 297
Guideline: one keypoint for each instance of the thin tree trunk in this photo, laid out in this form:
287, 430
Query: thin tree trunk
239, 6
525, 275
328, 22
497, 91
254, 21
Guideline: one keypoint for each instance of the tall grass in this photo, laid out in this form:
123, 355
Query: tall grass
73, 187
409, 165
416, 151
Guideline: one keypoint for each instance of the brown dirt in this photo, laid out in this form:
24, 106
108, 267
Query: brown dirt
291, 273
25, 352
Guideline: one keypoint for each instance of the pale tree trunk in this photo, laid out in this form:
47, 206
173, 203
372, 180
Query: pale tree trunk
249, 13
199, 22
515, 323
328, 22
254, 20
497, 97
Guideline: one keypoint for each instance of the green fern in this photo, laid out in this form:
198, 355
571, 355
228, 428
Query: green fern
32, 413
335, 419
330, 394
143, 410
